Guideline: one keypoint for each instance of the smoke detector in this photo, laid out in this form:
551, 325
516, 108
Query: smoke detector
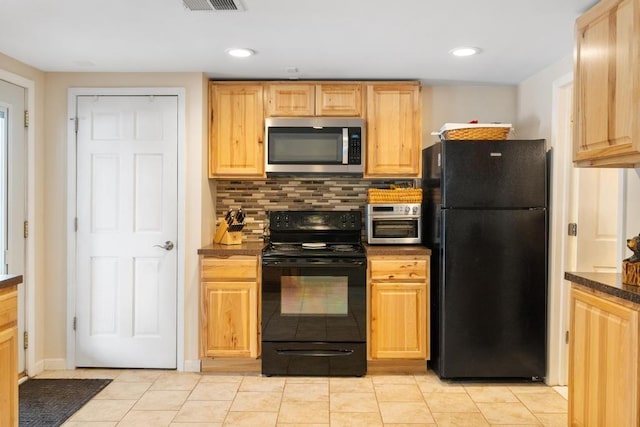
217, 5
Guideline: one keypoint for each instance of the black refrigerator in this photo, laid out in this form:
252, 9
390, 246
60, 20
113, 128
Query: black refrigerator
486, 222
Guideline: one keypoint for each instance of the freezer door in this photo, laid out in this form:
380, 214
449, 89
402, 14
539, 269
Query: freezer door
493, 294
494, 174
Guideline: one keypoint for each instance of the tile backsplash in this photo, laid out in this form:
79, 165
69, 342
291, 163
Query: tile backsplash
290, 193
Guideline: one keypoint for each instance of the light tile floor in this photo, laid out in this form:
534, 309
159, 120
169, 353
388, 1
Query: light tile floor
152, 398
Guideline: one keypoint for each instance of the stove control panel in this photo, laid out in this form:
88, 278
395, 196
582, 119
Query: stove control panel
315, 220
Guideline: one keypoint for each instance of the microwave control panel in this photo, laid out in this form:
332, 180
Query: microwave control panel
394, 209
355, 146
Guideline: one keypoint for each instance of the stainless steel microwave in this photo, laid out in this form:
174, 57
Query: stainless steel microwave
394, 224
315, 145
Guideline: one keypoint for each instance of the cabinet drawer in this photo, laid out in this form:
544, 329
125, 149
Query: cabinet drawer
234, 267
8, 307
391, 269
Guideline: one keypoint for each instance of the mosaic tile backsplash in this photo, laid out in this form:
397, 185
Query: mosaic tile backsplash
258, 197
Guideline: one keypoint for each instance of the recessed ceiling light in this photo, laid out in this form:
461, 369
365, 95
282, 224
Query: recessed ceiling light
464, 51
240, 52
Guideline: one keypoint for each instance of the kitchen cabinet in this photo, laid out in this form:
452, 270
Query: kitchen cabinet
314, 99
398, 299
394, 129
607, 85
603, 360
236, 131
9, 356
229, 306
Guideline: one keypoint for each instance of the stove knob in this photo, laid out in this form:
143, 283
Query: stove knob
415, 210
407, 209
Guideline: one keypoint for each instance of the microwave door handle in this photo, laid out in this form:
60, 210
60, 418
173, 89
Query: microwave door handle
345, 146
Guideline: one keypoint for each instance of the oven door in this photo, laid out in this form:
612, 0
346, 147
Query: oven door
402, 230
314, 317
314, 299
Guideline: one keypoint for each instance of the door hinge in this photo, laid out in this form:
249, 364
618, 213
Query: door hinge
75, 224
566, 337
26, 340
573, 229
26, 118
75, 124
26, 229
75, 322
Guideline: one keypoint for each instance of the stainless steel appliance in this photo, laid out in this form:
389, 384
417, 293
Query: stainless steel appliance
486, 223
394, 223
314, 295
315, 145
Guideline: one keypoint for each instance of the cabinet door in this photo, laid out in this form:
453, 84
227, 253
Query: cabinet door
606, 84
230, 319
339, 99
9, 376
394, 130
236, 140
290, 100
603, 362
398, 320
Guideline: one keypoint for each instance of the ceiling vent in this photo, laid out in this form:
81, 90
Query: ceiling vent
217, 5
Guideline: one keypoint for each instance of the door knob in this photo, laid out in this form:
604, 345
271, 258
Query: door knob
168, 245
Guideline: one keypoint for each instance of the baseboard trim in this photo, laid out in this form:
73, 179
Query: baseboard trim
55, 364
191, 366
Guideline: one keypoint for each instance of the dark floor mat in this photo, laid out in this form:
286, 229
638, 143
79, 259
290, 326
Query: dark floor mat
50, 402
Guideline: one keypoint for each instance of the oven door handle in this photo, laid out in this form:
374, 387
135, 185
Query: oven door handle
313, 263
315, 353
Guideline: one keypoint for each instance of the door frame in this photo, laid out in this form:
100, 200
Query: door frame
561, 180
73, 93
28, 279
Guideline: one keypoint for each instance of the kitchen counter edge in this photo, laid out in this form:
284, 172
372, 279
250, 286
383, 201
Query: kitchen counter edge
8, 280
247, 248
609, 283
397, 250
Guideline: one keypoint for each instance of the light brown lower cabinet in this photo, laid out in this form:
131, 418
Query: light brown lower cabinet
398, 300
603, 360
9, 356
229, 316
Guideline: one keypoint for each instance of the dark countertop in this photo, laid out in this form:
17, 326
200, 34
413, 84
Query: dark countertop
609, 283
247, 248
397, 250
7, 280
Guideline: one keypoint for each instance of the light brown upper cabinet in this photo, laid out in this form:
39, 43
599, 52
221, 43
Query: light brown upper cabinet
394, 129
236, 132
334, 99
607, 85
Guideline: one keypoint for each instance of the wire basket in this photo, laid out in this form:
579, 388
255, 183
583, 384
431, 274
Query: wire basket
398, 195
489, 132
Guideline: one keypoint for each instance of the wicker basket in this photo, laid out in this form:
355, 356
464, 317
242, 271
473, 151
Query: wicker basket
398, 195
492, 132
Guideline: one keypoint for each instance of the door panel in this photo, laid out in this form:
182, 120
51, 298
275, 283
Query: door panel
493, 294
127, 210
13, 191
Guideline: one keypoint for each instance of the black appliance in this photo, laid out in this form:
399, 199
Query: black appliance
314, 295
486, 222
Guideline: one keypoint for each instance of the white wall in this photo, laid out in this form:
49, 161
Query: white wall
534, 117
461, 104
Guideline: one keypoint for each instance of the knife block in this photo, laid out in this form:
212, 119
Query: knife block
226, 237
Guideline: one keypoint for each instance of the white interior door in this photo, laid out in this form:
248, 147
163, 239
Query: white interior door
597, 219
13, 194
126, 278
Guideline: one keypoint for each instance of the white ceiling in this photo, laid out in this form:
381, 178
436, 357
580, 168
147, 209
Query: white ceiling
322, 39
